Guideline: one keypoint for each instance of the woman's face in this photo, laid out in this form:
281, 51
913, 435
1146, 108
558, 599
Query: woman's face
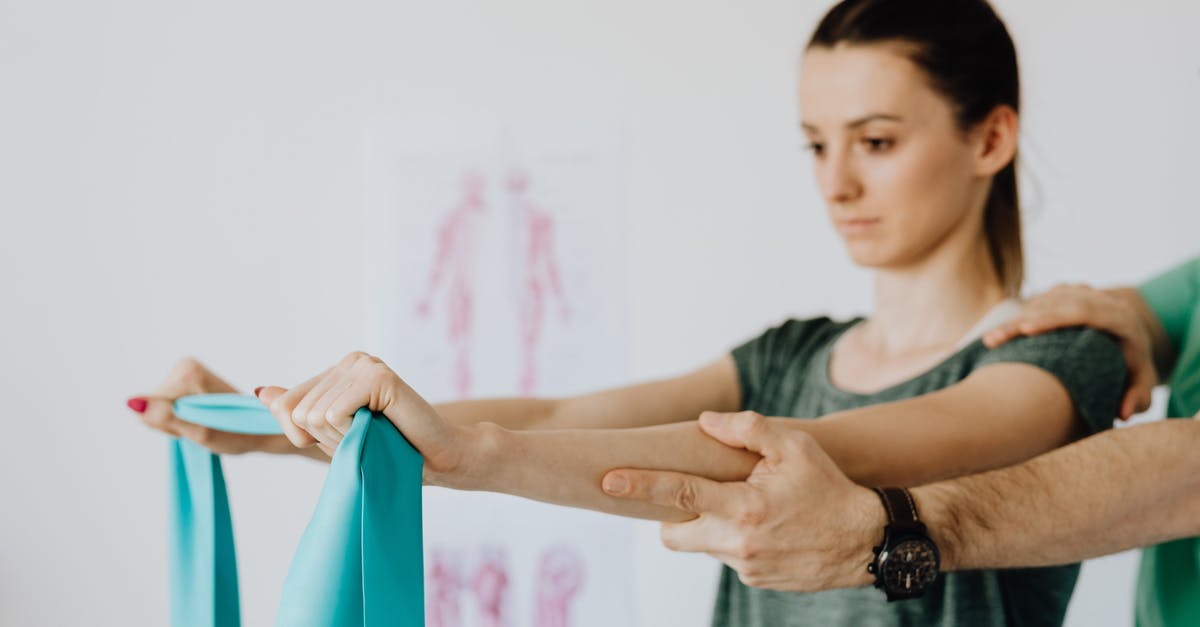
898, 175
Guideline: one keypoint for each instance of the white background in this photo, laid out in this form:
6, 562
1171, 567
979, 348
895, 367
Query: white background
188, 179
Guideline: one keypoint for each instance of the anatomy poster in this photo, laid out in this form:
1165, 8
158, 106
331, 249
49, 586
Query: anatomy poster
495, 253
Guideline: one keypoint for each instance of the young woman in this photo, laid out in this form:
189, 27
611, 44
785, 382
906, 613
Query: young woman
912, 112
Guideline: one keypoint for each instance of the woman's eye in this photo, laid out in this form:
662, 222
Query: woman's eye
816, 148
877, 144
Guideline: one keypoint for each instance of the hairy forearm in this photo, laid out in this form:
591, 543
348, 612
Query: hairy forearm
565, 466
1117, 490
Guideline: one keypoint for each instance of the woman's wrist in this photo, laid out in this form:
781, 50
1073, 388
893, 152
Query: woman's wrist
481, 449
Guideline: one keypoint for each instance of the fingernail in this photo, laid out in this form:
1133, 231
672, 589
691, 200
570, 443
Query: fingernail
137, 404
258, 389
615, 484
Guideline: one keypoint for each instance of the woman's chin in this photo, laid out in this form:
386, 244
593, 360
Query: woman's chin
869, 256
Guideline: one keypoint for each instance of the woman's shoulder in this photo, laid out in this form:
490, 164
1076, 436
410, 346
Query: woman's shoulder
1087, 362
1078, 344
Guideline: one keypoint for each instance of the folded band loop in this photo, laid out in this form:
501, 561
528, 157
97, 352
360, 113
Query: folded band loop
236, 413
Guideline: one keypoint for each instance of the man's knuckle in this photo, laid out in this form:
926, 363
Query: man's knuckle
685, 496
751, 516
754, 581
745, 548
751, 421
805, 444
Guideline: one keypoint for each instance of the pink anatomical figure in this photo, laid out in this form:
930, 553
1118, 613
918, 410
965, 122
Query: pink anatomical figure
491, 588
560, 578
445, 583
537, 275
454, 263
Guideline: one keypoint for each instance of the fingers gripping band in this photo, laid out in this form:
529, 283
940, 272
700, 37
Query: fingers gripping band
359, 562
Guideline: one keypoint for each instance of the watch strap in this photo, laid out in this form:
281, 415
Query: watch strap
901, 510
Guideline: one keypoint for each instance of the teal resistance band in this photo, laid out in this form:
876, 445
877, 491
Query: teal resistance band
359, 562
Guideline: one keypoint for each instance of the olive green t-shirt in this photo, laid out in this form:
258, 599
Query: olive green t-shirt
785, 372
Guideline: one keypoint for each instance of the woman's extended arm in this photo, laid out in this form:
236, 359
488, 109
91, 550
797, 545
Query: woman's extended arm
975, 425
713, 387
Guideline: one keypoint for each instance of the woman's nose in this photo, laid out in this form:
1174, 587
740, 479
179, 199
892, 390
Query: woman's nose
840, 181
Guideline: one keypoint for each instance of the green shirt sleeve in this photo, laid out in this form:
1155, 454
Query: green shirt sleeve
1087, 362
763, 361
1173, 296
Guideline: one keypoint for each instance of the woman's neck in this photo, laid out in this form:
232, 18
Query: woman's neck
935, 301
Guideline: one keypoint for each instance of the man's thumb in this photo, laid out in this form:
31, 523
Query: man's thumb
746, 430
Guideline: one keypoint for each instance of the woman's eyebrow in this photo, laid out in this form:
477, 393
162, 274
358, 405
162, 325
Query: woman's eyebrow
857, 122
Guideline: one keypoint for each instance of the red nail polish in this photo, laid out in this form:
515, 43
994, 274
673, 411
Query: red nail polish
137, 404
258, 389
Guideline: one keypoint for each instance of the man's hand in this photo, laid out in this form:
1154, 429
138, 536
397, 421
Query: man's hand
1120, 312
797, 523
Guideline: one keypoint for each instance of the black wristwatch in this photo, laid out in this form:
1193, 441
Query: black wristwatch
907, 560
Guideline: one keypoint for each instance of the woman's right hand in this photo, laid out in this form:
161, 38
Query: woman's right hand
190, 377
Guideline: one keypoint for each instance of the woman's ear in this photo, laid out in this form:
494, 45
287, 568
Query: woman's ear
996, 140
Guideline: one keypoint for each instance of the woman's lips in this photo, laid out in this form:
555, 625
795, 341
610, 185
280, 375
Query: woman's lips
857, 226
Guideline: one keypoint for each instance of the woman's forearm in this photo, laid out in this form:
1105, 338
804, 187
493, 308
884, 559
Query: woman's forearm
565, 466
510, 413
713, 387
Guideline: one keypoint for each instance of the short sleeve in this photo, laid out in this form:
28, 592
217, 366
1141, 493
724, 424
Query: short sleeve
1087, 362
1173, 296
762, 361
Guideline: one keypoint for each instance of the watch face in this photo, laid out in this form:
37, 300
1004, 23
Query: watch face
909, 566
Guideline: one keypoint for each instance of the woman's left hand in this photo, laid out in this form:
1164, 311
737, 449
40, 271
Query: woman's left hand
319, 411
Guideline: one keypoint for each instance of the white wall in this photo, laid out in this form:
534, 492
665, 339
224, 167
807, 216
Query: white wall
185, 178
